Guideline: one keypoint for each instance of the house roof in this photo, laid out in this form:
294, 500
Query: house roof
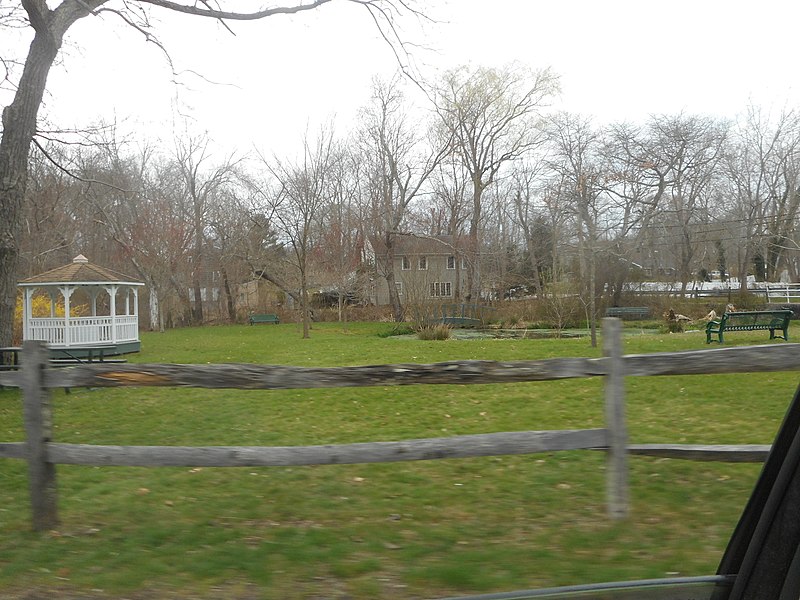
79, 271
410, 244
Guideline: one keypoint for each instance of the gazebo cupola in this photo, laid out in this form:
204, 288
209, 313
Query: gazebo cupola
111, 300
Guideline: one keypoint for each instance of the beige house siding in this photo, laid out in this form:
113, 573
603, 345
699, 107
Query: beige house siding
258, 296
427, 270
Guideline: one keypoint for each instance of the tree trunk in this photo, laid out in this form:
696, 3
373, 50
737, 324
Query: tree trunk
391, 282
534, 262
229, 300
743, 264
593, 295
19, 127
197, 269
304, 304
154, 306
473, 249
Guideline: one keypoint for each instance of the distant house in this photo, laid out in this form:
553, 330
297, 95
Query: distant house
259, 295
426, 269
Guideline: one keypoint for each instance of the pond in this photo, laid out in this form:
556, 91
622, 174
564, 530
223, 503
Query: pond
516, 334
526, 334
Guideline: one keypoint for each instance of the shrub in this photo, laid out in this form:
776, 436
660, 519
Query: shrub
396, 329
439, 331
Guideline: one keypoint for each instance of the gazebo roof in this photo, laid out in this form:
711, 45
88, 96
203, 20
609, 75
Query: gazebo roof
79, 271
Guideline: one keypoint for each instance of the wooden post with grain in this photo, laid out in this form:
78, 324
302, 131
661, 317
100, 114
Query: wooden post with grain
38, 433
617, 464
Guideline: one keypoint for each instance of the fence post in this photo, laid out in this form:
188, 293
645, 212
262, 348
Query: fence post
617, 464
38, 432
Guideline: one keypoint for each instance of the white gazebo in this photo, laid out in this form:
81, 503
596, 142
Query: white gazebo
118, 325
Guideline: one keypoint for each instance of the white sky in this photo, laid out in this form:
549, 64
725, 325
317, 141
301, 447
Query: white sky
618, 59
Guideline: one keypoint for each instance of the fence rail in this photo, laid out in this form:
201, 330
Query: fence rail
42, 453
788, 293
748, 359
785, 292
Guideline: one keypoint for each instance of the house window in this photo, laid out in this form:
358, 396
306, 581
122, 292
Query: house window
405, 263
399, 286
464, 264
441, 289
422, 265
451, 262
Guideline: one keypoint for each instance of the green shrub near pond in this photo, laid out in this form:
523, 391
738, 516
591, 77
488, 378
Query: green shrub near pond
401, 530
434, 332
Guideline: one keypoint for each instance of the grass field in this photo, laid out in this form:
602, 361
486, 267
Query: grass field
404, 530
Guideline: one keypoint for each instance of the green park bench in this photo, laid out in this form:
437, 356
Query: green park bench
255, 319
628, 312
750, 320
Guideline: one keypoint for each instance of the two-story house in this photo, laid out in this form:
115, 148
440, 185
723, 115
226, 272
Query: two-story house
426, 269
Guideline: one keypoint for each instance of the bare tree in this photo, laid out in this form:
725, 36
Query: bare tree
449, 211
146, 197
19, 119
340, 245
780, 209
575, 160
201, 186
526, 189
48, 222
302, 189
229, 228
678, 158
397, 163
491, 116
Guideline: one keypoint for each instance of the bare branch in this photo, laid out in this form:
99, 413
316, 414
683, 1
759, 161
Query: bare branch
72, 174
141, 28
234, 16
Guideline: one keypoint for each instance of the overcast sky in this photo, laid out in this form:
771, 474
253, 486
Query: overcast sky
618, 59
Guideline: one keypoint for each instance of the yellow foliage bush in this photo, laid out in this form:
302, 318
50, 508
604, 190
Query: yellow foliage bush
40, 305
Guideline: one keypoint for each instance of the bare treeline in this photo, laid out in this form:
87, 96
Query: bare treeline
531, 199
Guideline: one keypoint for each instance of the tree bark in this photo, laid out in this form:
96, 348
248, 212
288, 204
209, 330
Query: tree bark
19, 127
229, 299
391, 282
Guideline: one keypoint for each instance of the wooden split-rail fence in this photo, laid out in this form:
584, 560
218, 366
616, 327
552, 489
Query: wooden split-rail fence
42, 453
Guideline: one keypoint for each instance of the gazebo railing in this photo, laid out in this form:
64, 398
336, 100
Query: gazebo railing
84, 330
50, 330
127, 328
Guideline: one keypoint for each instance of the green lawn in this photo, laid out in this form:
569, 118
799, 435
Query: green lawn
404, 530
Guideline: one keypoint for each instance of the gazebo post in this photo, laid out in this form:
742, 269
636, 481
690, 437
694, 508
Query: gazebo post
113, 303
93, 293
66, 291
27, 313
53, 303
